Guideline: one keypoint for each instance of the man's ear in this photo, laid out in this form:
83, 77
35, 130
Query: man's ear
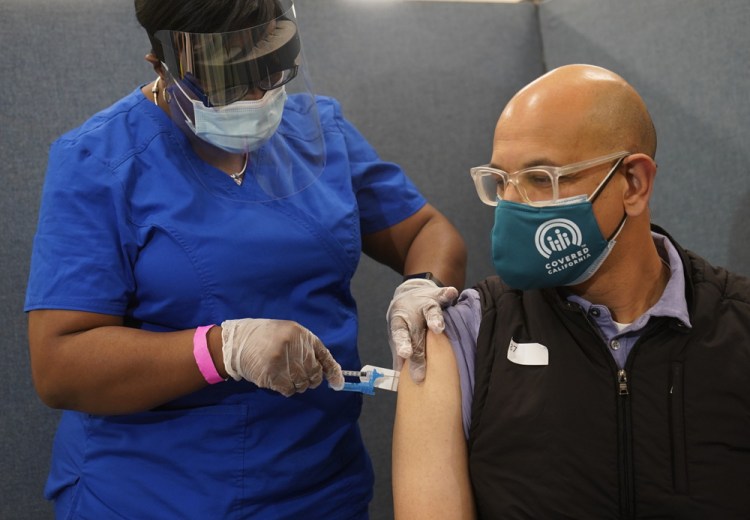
640, 172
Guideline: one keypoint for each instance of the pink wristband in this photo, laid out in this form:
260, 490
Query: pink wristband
203, 356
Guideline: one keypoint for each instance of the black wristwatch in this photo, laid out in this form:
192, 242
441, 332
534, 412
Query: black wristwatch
424, 276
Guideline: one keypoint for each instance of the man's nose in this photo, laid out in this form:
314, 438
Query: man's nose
511, 193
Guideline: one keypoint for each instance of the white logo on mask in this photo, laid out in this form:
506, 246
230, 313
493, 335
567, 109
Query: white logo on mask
557, 235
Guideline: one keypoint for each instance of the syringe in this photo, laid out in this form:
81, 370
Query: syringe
371, 377
354, 373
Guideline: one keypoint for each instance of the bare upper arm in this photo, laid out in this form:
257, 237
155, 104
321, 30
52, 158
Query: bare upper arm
90, 362
47, 324
430, 461
49, 330
47, 327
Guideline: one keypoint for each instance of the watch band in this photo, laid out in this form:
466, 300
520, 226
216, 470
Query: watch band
424, 276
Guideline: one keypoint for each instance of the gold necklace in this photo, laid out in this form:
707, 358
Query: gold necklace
237, 177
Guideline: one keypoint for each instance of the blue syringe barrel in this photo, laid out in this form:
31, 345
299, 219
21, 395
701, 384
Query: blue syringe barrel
364, 387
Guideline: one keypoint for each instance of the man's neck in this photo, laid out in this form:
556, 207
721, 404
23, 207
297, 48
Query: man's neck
628, 284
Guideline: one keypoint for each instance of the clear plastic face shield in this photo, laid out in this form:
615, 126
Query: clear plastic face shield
230, 88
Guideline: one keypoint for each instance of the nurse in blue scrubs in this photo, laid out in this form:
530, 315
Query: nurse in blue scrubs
189, 298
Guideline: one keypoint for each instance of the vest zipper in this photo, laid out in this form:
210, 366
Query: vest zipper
622, 382
627, 495
624, 435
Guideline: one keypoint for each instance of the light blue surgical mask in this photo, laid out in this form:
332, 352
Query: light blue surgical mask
549, 246
242, 126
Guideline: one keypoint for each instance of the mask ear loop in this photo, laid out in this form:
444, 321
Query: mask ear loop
598, 190
613, 236
606, 179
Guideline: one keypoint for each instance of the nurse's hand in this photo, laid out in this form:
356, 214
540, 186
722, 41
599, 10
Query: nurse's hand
277, 354
416, 305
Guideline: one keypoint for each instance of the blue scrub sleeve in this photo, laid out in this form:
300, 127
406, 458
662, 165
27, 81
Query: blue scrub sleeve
81, 258
385, 194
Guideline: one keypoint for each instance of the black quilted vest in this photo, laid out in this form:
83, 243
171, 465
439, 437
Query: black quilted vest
578, 439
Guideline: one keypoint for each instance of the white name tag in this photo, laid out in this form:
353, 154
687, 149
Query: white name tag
528, 353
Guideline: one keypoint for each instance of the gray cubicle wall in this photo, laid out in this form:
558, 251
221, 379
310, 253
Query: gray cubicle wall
690, 60
61, 62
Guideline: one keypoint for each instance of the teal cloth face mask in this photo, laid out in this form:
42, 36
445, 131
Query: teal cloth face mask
549, 246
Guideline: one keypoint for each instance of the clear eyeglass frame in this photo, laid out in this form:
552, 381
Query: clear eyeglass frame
487, 180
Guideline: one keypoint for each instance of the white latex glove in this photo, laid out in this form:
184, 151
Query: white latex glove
416, 305
277, 354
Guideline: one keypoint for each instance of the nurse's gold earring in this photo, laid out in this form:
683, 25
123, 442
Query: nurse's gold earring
155, 92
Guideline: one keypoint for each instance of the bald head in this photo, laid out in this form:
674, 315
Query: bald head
582, 109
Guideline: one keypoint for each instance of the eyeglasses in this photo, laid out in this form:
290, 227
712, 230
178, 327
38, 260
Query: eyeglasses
537, 185
230, 94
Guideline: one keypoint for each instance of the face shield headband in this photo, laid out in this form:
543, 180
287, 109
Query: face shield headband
221, 68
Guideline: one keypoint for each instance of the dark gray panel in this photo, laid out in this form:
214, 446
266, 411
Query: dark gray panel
61, 63
425, 84
689, 61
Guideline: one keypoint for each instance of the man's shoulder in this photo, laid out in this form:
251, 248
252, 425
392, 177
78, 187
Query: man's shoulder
492, 285
726, 284
494, 292
705, 279
468, 302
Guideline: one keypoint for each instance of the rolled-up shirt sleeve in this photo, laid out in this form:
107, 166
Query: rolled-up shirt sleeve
462, 329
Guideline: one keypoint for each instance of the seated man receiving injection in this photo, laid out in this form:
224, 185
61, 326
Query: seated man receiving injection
605, 373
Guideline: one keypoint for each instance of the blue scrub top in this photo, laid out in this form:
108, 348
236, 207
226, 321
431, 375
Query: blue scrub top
134, 224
